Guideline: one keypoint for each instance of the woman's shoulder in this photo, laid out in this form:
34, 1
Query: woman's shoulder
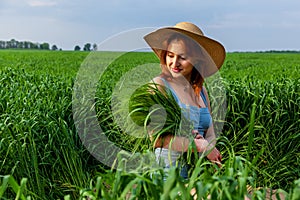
160, 80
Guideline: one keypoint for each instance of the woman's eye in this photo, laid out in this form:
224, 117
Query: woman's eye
182, 57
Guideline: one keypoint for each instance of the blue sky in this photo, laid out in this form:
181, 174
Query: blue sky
241, 25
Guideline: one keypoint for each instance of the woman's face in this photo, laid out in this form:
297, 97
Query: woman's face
178, 60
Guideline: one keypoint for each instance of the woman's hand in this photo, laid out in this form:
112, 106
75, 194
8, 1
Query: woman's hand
213, 155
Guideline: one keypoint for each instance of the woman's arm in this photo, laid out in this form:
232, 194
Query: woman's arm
210, 135
179, 143
214, 154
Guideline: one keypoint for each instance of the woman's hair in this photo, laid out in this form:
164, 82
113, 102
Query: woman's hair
194, 50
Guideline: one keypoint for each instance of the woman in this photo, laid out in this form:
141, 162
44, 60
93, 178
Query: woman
187, 57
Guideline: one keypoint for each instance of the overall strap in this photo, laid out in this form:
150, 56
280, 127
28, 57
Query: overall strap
170, 89
204, 97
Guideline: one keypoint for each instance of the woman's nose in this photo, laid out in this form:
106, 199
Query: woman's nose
176, 61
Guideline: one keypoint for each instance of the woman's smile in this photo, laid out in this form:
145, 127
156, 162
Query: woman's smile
176, 70
177, 59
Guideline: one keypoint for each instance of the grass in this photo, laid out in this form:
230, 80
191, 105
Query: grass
42, 157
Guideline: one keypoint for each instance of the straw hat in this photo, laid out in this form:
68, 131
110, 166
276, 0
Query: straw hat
213, 49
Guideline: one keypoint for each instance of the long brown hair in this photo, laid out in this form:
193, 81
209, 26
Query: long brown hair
194, 50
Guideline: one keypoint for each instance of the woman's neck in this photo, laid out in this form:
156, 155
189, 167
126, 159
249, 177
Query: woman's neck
184, 80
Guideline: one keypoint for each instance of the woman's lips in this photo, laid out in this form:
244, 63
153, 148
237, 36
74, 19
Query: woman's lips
176, 70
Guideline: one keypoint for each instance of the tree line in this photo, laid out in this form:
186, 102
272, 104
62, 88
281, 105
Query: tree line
15, 44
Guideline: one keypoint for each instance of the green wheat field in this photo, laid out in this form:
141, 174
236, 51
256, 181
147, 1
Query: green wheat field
42, 156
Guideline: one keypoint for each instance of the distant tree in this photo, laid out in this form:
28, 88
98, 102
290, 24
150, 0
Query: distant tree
13, 43
8, 45
27, 45
54, 47
21, 45
34, 45
2, 44
87, 47
44, 46
95, 47
77, 48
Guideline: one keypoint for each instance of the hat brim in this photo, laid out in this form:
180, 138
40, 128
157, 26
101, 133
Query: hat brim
213, 51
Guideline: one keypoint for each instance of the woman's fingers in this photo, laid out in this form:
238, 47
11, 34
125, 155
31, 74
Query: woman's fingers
213, 153
215, 157
218, 163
